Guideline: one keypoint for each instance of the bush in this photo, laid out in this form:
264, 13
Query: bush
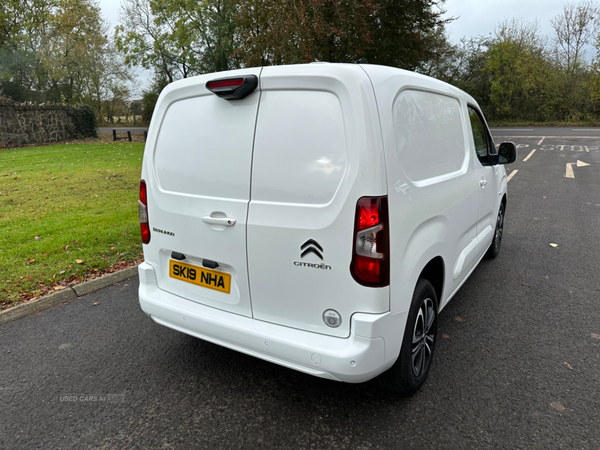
84, 121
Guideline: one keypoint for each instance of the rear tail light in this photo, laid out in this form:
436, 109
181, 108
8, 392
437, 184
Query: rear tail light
233, 88
143, 213
370, 259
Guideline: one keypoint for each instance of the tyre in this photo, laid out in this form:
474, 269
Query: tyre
410, 370
495, 246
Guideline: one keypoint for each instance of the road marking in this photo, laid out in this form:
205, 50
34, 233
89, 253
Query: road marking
549, 137
530, 154
512, 174
542, 140
569, 173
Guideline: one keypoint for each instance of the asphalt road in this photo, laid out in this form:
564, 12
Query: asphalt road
134, 130
518, 366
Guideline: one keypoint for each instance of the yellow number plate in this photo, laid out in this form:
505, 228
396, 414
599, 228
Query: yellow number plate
219, 281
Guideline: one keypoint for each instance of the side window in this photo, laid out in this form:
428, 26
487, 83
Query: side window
480, 136
429, 134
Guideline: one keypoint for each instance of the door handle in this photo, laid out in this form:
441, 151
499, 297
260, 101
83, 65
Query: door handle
483, 182
227, 221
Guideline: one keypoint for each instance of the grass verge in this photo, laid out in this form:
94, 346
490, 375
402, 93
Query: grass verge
67, 213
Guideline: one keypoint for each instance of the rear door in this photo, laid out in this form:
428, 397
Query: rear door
317, 151
199, 171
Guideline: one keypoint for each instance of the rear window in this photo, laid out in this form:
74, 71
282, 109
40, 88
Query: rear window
204, 147
429, 134
300, 147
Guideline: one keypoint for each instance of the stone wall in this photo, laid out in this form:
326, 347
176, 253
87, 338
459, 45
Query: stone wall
29, 123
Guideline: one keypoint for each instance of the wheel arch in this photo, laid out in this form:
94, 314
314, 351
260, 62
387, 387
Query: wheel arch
434, 272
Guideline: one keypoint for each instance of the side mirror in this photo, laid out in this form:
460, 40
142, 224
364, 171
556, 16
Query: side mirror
507, 153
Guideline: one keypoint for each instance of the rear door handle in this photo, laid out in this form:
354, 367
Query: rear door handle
227, 221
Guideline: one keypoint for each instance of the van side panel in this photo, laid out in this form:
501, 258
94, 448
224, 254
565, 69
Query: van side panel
317, 151
432, 189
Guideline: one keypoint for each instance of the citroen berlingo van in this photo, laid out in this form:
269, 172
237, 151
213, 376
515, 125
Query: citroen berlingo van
318, 216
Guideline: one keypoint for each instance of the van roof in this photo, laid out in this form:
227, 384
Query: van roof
376, 73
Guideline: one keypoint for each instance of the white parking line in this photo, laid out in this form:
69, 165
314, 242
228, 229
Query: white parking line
542, 140
530, 155
512, 174
549, 137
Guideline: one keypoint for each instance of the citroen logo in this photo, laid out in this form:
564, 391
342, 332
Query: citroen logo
311, 246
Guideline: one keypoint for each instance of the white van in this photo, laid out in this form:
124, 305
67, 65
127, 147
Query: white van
317, 216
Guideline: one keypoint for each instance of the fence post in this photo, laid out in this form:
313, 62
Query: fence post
114, 135
145, 135
129, 135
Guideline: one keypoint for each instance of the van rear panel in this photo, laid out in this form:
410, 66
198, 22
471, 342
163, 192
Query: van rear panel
287, 164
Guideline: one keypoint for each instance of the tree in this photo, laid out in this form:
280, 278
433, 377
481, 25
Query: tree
288, 32
519, 71
75, 48
136, 110
405, 31
205, 30
574, 29
178, 38
144, 41
150, 96
23, 27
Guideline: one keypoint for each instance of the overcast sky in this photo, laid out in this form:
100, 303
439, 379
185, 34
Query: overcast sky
473, 17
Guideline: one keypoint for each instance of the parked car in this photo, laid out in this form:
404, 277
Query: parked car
318, 216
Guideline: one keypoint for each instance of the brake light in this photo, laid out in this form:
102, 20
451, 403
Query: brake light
225, 83
233, 88
143, 213
370, 260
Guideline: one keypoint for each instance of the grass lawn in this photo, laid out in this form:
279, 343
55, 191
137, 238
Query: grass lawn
67, 212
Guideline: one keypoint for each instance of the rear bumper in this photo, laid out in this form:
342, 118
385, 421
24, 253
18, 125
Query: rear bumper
371, 348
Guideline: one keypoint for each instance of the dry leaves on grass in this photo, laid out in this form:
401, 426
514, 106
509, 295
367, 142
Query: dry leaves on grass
41, 289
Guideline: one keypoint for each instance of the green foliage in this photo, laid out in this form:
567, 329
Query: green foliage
150, 97
64, 203
517, 76
57, 50
405, 32
518, 82
180, 38
84, 121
